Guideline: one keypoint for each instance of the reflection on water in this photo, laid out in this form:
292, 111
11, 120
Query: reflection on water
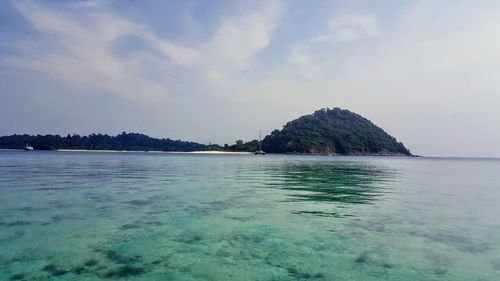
333, 181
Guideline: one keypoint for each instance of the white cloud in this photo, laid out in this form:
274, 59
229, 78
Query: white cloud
181, 55
86, 57
309, 57
216, 77
238, 39
350, 27
299, 55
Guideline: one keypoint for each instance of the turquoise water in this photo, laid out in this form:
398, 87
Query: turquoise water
147, 216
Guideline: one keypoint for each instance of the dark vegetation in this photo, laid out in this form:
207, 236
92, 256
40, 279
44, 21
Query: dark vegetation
243, 146
123, 141
333, 131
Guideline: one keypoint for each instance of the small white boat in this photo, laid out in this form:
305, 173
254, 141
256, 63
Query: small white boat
28, 147
260, 152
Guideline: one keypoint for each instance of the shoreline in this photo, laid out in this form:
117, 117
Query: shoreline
216, 152
151, 151
212, 152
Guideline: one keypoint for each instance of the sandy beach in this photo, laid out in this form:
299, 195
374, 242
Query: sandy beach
153, 151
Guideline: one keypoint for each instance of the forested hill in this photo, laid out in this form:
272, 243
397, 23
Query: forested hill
326, 131
123, 141
334, 131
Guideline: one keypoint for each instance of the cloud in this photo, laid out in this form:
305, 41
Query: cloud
83, 54
350, 27
313, 56
299, 55
238, 39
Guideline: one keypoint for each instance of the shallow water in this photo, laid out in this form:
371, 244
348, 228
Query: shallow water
146, 216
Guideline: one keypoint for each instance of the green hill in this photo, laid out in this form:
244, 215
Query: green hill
123, 141
333, 131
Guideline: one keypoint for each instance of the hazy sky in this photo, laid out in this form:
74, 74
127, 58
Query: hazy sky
428, 72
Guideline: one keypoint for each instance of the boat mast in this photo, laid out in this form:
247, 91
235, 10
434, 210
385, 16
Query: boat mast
260, 141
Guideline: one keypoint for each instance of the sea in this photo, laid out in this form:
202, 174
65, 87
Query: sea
180, 216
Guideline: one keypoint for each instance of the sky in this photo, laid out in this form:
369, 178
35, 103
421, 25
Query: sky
427, 72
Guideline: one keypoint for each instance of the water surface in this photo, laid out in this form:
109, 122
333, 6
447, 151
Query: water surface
147, 216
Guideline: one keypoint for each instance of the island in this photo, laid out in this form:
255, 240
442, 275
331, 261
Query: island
326, 131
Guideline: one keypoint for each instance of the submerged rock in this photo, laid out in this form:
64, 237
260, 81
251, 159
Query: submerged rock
54, 270
119, 258
19, 276
387, 265
91, 262
362, 258
130, 226
125, 271
78, 270
304, 275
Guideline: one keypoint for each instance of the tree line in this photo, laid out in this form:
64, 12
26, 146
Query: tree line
123, 141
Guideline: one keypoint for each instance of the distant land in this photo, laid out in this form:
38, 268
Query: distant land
329, 131
123, 141
326, 131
